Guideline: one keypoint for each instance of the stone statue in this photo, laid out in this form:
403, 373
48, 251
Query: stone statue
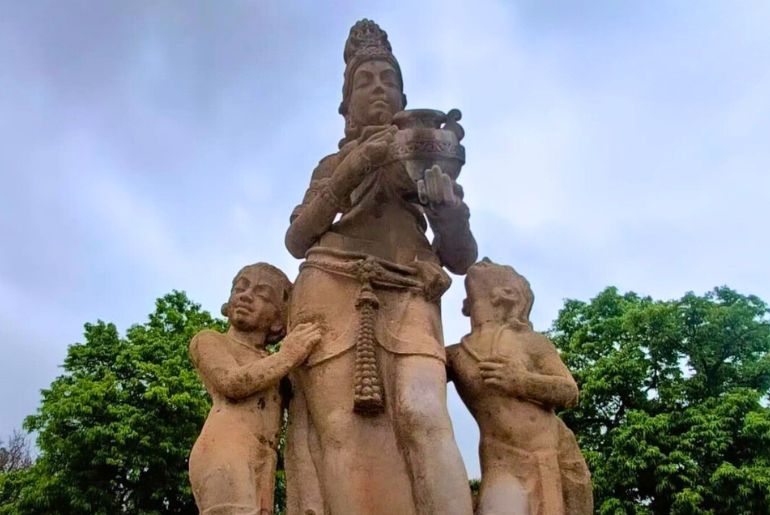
511, 378
232, 465
369, 428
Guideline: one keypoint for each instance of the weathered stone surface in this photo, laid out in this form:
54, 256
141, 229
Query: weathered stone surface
511, 378
232, 465
369, 432
373, 422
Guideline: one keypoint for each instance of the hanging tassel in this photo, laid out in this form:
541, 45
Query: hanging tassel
368, 398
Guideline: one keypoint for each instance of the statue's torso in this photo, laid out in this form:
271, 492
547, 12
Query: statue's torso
503, 419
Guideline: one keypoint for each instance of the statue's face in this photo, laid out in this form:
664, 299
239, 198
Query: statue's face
254, 301
376, 94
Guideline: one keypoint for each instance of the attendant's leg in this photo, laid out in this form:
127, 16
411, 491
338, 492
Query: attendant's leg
424, 432
222, 477
265, 477
575, 477
502, 493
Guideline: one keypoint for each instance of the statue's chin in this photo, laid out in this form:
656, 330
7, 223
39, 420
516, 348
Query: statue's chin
382, 117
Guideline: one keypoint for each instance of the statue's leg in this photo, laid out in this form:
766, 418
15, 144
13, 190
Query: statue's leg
424, 432
360, 470
303, 490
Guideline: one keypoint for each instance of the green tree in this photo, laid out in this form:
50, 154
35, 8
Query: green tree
115, 429
671, 417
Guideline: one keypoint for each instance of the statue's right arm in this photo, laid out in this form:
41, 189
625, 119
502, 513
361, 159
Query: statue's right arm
334, 179
230, 379
315, 215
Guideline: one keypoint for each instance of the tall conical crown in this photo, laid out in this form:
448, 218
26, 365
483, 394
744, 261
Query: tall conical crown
367, 39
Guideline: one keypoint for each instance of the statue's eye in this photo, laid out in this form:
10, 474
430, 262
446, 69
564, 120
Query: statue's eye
389, 78
362, 79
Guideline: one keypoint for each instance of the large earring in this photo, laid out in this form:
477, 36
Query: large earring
277, 331
225, 310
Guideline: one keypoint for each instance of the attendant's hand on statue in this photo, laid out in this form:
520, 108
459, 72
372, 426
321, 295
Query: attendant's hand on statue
505, 374
438, 190
361, 160
301, 340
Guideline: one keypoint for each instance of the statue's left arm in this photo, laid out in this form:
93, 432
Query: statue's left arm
453, 241
448, 217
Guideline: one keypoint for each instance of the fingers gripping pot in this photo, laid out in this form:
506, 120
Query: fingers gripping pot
427, 138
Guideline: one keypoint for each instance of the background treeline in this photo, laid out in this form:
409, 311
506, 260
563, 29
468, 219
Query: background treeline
673, 414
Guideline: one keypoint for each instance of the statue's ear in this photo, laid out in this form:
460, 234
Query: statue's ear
503, 295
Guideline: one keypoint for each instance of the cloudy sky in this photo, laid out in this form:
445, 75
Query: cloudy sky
148, 146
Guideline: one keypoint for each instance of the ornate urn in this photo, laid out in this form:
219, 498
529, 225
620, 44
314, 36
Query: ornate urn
428, 137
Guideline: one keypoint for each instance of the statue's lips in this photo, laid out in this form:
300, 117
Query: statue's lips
243, 309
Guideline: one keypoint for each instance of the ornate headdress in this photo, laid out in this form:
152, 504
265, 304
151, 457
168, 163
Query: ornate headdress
366, 41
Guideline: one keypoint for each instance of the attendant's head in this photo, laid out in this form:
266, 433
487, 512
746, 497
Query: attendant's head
373, 89
497, 294
259, 301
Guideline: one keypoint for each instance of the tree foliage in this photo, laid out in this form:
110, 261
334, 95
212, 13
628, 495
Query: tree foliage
15, 453
671, 417
116, 428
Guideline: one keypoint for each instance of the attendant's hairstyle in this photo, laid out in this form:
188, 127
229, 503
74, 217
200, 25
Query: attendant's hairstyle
507, 288
284, 286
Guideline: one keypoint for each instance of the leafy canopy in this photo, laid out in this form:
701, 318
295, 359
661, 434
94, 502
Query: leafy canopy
115, 429
671, 417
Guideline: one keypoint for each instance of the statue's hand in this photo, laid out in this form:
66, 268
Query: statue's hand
438, 190
361, 160
300, 342
505, 374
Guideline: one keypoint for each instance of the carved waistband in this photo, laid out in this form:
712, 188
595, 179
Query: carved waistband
424, 277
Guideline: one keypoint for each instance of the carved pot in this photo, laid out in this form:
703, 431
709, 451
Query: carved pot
428, 137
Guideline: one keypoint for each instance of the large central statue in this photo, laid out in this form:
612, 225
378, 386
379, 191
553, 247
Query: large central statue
369, 428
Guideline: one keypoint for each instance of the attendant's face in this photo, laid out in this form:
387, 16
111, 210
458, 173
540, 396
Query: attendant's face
254, 301
478, 303
376, 94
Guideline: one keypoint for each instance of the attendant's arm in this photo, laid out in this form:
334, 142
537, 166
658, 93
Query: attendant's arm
551, 384
239, 381
450, 357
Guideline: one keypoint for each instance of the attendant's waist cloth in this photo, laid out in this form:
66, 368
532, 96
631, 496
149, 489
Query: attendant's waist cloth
538, 472
329, 290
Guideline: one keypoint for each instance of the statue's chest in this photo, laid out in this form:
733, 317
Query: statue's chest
490, 346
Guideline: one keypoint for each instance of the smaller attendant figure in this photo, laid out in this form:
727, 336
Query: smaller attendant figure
232, 464
511, 378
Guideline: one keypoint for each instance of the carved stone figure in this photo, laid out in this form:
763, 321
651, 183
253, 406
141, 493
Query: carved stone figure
511, 378
232, 465
370, 416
